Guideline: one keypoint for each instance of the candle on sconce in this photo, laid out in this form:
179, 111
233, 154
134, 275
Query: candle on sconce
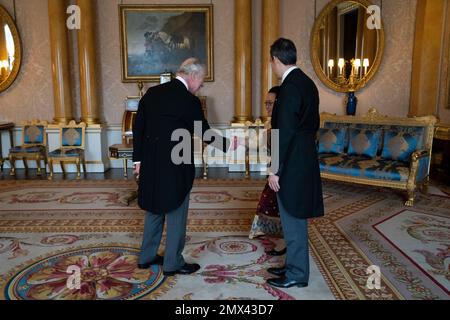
341, 65
330, 66
357, 65
3, 68
366, 64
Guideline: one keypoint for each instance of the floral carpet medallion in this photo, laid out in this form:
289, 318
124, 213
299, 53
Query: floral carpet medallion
104, 273
47, 227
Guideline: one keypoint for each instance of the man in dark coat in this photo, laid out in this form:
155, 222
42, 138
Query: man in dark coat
297, 182
167, 112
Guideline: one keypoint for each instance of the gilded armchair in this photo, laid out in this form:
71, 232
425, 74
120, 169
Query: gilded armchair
34, 146
72, 145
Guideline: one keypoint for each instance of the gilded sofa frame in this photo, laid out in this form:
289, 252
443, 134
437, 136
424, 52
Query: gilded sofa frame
374, 118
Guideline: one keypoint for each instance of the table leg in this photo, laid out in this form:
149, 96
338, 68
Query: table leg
11, 137
1, 153
125, 168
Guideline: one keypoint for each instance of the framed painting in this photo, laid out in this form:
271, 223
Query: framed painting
156, 39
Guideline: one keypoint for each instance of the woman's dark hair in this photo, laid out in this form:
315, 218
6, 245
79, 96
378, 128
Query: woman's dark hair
285, 51
275, 90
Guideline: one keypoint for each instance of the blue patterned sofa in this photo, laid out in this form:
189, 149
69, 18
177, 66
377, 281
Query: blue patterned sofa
377, 150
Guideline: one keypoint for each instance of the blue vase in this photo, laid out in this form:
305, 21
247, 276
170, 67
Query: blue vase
352, 102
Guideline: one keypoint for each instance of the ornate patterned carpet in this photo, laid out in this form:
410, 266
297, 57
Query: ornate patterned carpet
45, 227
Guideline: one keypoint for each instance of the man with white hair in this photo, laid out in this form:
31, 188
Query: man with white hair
164, 184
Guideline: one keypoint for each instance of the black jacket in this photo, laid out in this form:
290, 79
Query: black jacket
296, 115
163, 185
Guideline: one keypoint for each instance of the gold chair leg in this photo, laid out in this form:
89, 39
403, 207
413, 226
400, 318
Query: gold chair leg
50, 167
411, 196
84, 166
25, 164
425, 185
38, 164
63, 169
205, 163
125, 168
12, 162
78, 168
205, 171
45, 164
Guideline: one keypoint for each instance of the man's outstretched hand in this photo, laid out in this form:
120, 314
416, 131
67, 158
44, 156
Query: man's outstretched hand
274, 183
137, 169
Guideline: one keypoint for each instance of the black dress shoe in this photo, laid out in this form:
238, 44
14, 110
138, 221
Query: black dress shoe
186, 269
157, 261
275, 253
277, 271
285, 283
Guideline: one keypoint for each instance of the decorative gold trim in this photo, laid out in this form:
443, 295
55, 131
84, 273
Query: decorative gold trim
169, 8
368, 182
315, 45
443, 132
17, 49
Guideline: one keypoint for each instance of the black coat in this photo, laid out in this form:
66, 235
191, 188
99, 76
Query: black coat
163, 185
296, 115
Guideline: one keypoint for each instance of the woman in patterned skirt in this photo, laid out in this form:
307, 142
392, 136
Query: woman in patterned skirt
267, 219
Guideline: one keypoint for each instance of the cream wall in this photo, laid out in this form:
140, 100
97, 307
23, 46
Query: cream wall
31, 95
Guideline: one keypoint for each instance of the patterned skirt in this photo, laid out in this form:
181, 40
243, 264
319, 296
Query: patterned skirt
267, 220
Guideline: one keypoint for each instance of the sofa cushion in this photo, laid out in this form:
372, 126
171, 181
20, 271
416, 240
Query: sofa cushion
332, 140
418, 132
372, 127
336, 125
361, 167
399, 145
364, 142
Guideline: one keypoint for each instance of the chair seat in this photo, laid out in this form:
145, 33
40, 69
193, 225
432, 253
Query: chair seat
60, 153
25, 149
363, 167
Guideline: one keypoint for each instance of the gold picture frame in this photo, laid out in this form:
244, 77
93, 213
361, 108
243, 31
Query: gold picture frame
158, 38
6, 19
316, 46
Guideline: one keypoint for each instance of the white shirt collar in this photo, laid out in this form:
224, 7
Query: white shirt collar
288, 71
183, 81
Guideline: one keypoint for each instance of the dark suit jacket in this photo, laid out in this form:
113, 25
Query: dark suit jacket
296, 115
163, 185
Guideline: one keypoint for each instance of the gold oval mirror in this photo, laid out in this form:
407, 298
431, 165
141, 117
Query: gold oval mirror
347, 44
10, 50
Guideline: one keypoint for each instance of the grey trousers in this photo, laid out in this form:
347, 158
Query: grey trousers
175, 239
295, 233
